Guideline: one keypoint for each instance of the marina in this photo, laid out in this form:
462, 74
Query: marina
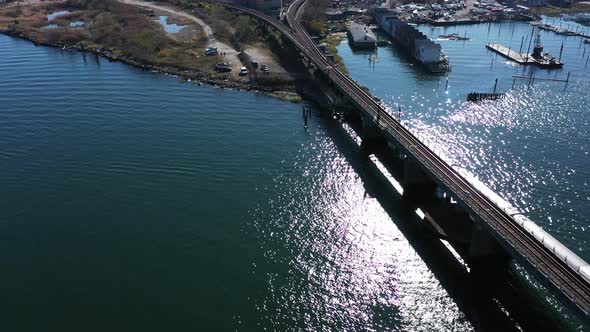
439, 112
561, 31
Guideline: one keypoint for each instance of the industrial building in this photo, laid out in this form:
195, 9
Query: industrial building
360, 36
412, 41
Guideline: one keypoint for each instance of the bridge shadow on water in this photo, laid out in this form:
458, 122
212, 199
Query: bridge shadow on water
497, 300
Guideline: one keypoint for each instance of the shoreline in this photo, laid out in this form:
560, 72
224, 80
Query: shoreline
197, 77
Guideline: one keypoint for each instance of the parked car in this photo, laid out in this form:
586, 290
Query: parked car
254, 63
223, 67
211, 51
264, 68
243, 71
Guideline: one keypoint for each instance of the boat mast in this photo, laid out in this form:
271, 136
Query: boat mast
538, 50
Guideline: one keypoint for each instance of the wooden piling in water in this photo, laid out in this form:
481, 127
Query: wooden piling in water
560, 51
477, 96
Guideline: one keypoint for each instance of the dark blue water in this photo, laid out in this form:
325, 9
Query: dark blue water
531, 148
131, 201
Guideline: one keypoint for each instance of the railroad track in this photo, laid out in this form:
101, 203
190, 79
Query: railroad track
570, 282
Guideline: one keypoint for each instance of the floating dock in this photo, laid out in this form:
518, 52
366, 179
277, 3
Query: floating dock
513, 55
543, 60
476, 96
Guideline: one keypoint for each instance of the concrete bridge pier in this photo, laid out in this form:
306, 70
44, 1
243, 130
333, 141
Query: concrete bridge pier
484, 246
371, 134
456, 223
417, 185
343, 106
393, 148
486, 257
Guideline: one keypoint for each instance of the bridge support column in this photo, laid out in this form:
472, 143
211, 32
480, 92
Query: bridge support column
343, 106
487, 259
484, 246
371, 133
393, 147
417, 185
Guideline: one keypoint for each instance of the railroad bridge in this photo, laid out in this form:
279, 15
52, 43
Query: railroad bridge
473, 216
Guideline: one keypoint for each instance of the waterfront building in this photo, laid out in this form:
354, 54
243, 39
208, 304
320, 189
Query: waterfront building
412, 41
360, 36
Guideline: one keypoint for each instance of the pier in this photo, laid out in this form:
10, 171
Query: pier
543, 60
561, 31
477, 96
513, 55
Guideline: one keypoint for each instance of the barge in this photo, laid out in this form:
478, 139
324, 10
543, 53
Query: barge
360, 36
538, 57
412, 41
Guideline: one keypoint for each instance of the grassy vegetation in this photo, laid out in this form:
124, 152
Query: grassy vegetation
290, 97
227, 25
554, 11
230, 27
122, 29
126, 32
332, 42
314, 19
316, 24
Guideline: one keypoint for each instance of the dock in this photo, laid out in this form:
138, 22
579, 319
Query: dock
543, 60
476, 96
513, 55
560, 30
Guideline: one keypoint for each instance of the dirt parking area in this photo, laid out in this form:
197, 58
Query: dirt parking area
227, 53
264, 56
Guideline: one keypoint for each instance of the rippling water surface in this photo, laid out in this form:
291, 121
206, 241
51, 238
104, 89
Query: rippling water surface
132, 201
532, 148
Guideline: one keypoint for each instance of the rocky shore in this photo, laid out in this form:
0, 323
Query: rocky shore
195, 76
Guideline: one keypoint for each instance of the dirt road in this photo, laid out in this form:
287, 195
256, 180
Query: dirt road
231, 55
